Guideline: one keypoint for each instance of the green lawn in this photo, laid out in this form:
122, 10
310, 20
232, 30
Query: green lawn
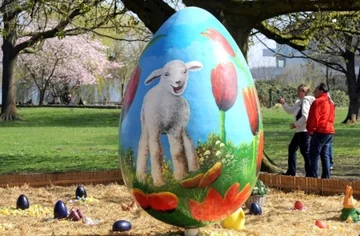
59, 140
66, 139
346, 141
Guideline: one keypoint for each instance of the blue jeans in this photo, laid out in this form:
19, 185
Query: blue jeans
299, 140
320, 146
331, 153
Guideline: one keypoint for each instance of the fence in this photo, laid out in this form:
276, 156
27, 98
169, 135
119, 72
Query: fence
310, 185
282, 182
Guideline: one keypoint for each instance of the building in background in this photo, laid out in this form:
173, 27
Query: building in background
271, 62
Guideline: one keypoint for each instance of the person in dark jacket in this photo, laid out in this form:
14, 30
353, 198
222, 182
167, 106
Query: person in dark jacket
320, 126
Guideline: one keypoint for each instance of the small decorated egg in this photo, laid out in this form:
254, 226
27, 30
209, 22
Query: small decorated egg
121, 225
60, 210
320, 224
191, 134
80, 192
255, 209
22, 202
298, 205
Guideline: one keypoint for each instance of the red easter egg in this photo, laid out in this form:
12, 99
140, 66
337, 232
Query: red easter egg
298, 205
320, 224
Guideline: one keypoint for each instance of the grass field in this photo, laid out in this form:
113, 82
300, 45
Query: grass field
346, 141
59, 140
66, 139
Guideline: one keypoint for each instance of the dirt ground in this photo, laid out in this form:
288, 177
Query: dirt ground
108, 203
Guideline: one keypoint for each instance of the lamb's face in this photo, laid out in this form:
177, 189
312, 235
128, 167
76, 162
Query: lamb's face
174, 77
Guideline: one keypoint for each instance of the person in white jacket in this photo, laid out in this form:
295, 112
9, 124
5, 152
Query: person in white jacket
301, 138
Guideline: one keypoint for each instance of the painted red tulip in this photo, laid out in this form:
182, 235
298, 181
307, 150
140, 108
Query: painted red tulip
224, 88
215, 207
260, 151
224, 85
252, 108
130, 91
220, 39
221, 42
141, 198
163, 201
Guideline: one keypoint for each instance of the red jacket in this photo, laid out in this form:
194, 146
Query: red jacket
321, 116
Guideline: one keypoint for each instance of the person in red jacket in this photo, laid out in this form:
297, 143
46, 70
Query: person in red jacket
320, 126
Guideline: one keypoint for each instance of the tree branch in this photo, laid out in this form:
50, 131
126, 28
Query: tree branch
152, 13
298, 42
274, 7
78, 11
145, 39
47, 34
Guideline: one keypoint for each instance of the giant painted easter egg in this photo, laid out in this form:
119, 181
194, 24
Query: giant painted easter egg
191, 135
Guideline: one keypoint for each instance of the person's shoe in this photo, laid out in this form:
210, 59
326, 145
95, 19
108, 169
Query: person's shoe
288, 174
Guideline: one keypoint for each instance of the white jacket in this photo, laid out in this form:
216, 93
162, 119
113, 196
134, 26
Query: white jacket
306, 102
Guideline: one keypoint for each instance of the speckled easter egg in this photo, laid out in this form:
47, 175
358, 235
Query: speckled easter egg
191, 136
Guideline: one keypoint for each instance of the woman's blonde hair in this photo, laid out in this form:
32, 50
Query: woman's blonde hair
304, 88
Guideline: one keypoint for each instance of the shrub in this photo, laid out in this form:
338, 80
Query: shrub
340, 98
269, 92
260, 188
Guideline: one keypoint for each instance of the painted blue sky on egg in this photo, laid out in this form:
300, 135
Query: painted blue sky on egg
182, 40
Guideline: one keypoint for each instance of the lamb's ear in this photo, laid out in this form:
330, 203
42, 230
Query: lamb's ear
194, 65
155, 74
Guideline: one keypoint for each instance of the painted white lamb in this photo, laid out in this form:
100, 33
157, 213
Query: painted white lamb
164, 110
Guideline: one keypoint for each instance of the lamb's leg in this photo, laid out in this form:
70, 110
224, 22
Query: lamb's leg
190, 152
143, 152
156, 153
178, 155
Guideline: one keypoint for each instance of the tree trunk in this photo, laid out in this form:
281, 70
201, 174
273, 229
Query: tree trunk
122, 88
353, 84
353, 111
354, 101
41, 97
241, 34
8, 106
269, 165
152, 13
